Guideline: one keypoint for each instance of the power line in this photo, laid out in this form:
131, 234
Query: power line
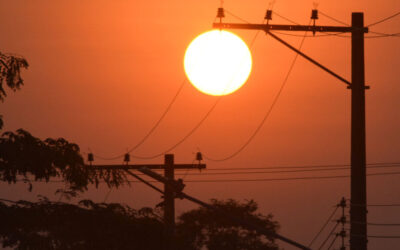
307, 166
333, 241
384, 19
279, 172
329, 235
235, 16
289, 178
285, 18
377, 205
268, 111
323, 226
332, 18
152, 129
379, 236
256, 180
195, 127
379, 224
185, 137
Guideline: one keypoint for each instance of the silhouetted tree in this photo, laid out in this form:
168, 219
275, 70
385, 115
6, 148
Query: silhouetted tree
24, 157
10, 74
88, 225
202, 228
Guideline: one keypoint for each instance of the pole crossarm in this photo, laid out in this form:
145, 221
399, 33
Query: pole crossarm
266, 27
149, 166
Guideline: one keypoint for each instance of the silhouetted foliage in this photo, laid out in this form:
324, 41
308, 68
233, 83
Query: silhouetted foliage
207, 229
88, 225
10, 72
25, 156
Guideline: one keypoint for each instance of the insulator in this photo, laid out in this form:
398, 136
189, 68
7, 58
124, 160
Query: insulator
268, 15
199, 156
314, 14
90, 157
220, 13
127, 158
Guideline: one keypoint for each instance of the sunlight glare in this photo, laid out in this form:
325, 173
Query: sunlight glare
217, 62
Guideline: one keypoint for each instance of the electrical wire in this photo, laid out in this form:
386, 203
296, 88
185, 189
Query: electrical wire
243, 172
237, 17
107, 195
267, 113
384, 19
285, 18
280, 171
332, 18
378, 236
307, 166
152, 129
289, 178
253, 180
185, 137
333, 241
384, 236
191, 132
323, 226
376, 224
329, 235
377, 205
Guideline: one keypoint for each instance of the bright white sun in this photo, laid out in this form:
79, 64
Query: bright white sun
217, 62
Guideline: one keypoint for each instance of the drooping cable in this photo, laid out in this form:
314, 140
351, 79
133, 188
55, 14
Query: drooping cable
329, 235
267, 113
384, 19
152, 129
323, 226
194, 129
333, 241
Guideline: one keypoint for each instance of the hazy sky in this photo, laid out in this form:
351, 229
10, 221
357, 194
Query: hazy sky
102, 73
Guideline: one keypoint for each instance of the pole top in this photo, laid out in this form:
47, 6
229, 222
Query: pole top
169, 158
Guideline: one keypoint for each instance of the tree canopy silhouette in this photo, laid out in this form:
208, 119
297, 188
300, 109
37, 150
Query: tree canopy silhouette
10, 74
207, 229
24, 157
87, 225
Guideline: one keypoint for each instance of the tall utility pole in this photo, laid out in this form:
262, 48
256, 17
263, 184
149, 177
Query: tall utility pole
358, 205
169, 193
169, 201
358, 212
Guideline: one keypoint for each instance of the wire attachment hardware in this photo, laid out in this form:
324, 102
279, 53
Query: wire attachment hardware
90, 158
314, 16
268, 15
127, 158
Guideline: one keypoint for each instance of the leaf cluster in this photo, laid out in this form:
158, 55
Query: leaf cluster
10, 72
23, 155
87, 225
209, 229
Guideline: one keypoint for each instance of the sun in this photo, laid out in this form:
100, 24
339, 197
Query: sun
217, 62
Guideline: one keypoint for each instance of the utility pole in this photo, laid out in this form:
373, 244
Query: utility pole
358, 203
169, 202
358, 212
169, 192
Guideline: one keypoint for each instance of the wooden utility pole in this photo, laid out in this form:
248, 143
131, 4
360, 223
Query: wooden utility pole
358, 211
169, 168
358, 204
169, 202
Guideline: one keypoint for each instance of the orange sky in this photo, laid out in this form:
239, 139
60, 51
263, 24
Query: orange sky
102, 72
